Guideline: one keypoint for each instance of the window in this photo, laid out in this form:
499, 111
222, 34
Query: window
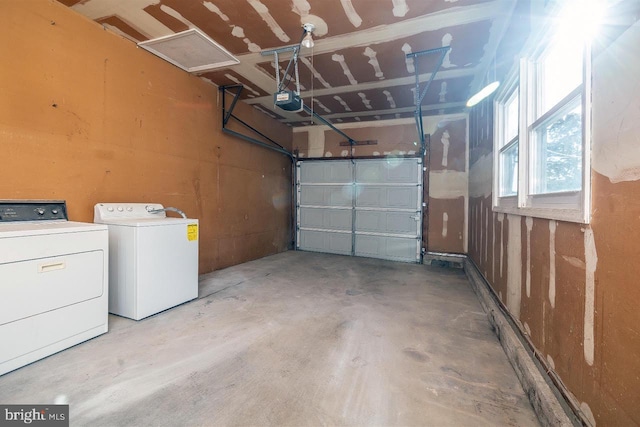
557, 151
542, 123
508, 154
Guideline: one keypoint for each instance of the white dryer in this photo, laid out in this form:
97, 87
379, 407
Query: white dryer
153, 258
53, 281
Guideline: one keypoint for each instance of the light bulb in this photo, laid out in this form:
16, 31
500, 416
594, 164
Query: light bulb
307, 41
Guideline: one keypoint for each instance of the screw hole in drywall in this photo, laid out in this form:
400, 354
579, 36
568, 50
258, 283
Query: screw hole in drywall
54, 105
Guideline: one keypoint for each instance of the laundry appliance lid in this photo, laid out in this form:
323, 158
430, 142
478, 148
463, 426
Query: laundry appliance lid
149, 222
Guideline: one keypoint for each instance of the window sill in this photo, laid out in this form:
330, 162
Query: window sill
559, 214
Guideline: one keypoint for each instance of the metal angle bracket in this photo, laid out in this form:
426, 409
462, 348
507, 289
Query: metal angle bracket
227, 115
419, 95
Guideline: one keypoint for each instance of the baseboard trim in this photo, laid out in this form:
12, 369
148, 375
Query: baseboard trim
442, 259
547, 401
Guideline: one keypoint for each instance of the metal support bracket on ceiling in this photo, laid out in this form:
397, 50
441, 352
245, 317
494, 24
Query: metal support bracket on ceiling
419, 95
280, 85
315, 115
227, 115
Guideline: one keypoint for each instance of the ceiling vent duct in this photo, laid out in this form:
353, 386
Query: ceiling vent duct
191, 50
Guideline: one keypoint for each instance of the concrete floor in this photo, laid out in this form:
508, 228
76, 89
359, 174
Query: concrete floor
293, 339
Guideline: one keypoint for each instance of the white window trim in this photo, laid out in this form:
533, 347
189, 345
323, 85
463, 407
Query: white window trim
507, 204
568, 206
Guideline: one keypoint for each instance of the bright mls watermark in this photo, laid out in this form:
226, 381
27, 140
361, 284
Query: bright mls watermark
34, 415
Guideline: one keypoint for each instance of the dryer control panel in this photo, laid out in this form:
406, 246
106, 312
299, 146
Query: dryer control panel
32, 210
107, 211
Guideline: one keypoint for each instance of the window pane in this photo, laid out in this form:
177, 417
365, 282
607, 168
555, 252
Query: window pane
557, 164
509, 171
560, 73
511, 118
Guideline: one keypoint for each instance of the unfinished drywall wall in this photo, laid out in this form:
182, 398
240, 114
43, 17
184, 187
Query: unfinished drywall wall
87, 117
448, 183
447, 180
573, 287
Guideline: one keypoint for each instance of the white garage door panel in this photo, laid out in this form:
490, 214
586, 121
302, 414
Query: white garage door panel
326, 172
312, 195
326, 242
365, 207
327, 219
393, 248
387, 222
387, 197
388, 171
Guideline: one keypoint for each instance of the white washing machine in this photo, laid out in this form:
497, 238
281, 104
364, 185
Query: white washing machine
153, 258
53, 281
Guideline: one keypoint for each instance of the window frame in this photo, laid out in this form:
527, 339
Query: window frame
573, 206
508, 91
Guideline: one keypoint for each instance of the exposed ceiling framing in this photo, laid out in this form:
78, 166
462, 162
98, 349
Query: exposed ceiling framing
358, 69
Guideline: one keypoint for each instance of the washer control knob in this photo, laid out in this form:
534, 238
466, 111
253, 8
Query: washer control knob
120, 209
40, 211
130, 209
54, 211
110, 209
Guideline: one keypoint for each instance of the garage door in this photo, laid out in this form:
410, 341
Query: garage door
367, 207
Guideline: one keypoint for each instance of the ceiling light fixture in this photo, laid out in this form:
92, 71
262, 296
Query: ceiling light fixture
483, 93
307, 40
488, 89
